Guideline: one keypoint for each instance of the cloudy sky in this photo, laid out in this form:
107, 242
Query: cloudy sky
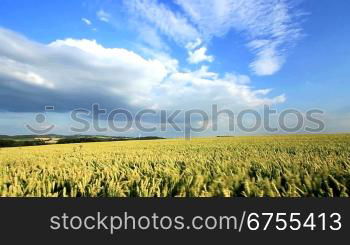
173, 54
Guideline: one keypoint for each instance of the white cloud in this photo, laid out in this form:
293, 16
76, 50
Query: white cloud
172, 65
78, 66
271, 20
121, 71
14, 70
268, 59
73, 73
193, 45
203, 88
172, 24
86, 21
275, 21
150, 36
103, 16
199, 55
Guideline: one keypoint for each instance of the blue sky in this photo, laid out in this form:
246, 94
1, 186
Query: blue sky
173, 55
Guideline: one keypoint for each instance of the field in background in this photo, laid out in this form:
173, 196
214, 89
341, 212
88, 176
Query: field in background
276, 166
49, 139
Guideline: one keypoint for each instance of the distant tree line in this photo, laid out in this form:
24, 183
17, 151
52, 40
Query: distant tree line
86, 140
18, 143
70, 140
89, 139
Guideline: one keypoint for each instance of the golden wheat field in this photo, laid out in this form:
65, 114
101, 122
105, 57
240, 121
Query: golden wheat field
274, 166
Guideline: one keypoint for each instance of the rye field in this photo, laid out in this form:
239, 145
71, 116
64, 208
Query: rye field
265, 166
